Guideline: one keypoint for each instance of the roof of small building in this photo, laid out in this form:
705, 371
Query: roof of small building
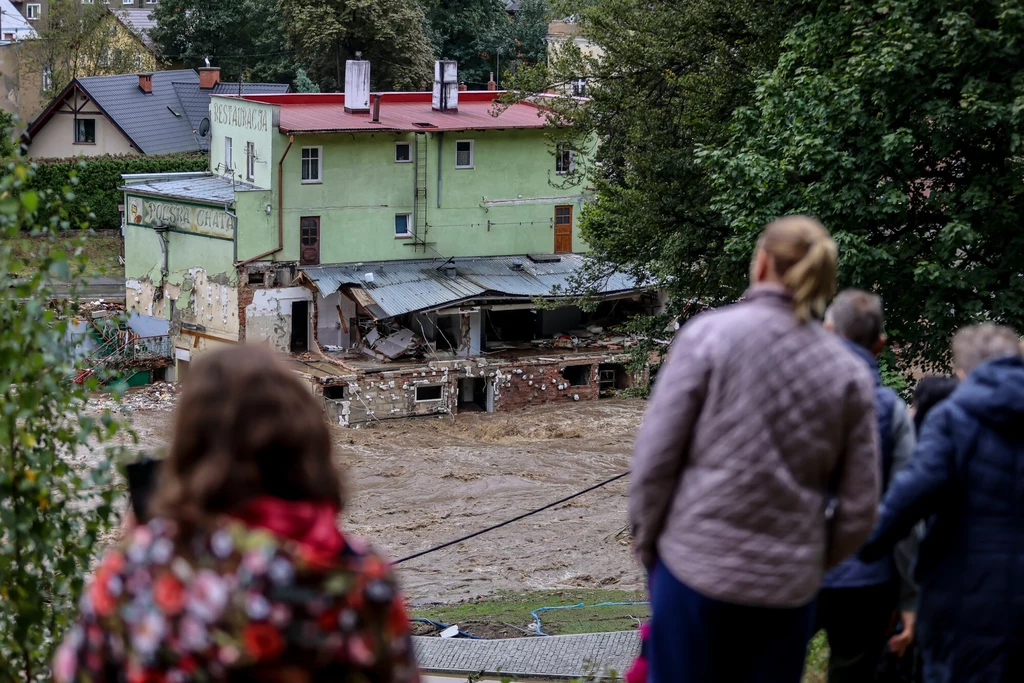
398, 287
139, 21
197, 187
539, 657
159, 122
12, 22
401, 112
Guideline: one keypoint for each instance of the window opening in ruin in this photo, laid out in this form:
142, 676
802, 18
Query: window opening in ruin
430, 392
472, 394
300, 326
612, 377
578, 375
336, 393
256, 278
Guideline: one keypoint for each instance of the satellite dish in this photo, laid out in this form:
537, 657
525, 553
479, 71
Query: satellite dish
204, 127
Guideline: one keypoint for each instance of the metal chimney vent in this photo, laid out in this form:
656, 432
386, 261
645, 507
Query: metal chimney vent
446, 86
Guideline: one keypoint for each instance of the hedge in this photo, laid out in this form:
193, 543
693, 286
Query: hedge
100, 176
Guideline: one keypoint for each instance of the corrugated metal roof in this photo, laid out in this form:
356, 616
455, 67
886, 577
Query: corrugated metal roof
400, 111
401, 287
208, 188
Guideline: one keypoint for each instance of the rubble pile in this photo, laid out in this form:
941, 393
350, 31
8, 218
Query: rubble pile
156, 396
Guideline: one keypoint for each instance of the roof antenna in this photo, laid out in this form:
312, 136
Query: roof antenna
207, 60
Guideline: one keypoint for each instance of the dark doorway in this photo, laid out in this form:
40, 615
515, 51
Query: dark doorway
472, 394
300, 326
309, 240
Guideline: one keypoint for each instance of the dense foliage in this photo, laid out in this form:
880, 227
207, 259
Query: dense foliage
54, 504
899, 124
245, 38
391, 34
470, 32
98, 181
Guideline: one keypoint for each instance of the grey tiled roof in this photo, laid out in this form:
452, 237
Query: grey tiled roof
192, 186
400, 287
139, 21
196, 101
549, 657
155, 122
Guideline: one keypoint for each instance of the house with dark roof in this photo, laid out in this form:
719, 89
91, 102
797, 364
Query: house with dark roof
145, 113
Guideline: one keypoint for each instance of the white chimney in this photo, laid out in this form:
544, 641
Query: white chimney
357, 85
446, 86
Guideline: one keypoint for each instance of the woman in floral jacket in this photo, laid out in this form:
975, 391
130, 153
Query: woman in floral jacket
242, 574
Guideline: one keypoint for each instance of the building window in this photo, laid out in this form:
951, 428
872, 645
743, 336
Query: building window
229, 165
428, 393
403, 225
127, 2
138, 61
85, 131
86, 2
32, 12
312, 164
104, 59
250, 161
564, 159
578, 87
150, 2
403, 152
309, 240
463, 154
47, 82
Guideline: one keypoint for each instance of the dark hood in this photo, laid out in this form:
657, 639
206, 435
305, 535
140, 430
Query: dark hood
868, 359
994, 392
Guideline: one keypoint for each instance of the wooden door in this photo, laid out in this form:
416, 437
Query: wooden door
309, 241
563, 229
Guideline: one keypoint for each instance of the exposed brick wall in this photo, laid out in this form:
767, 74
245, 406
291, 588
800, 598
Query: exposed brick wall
245, 296
520, 387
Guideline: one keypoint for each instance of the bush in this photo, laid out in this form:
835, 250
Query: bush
99, 178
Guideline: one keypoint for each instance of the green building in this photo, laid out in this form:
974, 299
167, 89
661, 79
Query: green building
378, 235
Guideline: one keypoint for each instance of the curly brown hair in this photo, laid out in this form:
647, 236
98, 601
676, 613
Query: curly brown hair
246, 426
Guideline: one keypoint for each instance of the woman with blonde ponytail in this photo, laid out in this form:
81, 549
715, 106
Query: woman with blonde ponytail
756, 469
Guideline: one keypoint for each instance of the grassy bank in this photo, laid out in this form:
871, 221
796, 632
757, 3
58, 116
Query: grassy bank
102, 252
507, 615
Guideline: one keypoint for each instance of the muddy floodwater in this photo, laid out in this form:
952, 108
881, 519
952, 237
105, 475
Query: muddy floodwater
413, 484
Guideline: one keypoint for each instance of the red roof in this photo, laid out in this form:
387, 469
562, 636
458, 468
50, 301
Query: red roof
399, 111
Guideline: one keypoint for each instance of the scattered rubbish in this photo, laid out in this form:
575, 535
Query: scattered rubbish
155, 396
450, 632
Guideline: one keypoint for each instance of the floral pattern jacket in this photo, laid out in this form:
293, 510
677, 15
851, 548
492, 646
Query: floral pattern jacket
241, 605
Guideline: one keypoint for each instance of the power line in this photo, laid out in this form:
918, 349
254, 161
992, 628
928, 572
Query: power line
509, 521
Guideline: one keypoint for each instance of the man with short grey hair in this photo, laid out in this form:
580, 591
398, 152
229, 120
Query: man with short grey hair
858, 599
967, 480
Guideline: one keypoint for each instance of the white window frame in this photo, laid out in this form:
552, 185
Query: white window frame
229, 162
127, 2
250, 161
138, 60
408, 227
472, 154
429, 400
87, 2
33, 10
319, 166
151, 2
403, 161
561, 149
47, 79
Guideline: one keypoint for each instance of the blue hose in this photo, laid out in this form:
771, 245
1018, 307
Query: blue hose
439, 625
536, 618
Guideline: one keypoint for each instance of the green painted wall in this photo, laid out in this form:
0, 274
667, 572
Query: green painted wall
243, 122
363, 188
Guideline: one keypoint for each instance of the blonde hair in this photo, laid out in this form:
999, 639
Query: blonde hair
974, 345
805, 259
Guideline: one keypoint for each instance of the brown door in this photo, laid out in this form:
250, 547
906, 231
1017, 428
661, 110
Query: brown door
563, 229
309, 240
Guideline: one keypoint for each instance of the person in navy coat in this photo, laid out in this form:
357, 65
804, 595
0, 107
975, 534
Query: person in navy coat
966, 480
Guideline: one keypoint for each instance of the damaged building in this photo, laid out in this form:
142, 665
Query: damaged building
410, 250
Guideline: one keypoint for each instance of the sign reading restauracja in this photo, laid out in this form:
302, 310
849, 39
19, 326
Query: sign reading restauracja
201, 220
252, 118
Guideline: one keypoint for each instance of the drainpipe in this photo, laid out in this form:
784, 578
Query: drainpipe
280, 208
234, 235
440, 139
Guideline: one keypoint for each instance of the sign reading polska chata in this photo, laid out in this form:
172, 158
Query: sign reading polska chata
251, 118
201, 220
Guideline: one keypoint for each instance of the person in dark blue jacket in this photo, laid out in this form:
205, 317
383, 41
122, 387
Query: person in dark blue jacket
967, 480
858, 599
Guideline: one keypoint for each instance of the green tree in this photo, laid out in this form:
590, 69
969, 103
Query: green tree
391, 34
527, 34
899, 123
663, 80
245, 38
470, 32
54, 505
303, 84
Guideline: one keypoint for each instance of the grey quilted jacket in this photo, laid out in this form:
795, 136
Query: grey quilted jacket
754, 418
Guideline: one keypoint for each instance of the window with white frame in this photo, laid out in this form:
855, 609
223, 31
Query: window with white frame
312, 164
47, 82
403, 225
33, 12
403, 152
104, 59
86, 2
250, 161
150, 2
229, 164
430, 392
127, 2
578, 87
564, 159
138, 61
463, 154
